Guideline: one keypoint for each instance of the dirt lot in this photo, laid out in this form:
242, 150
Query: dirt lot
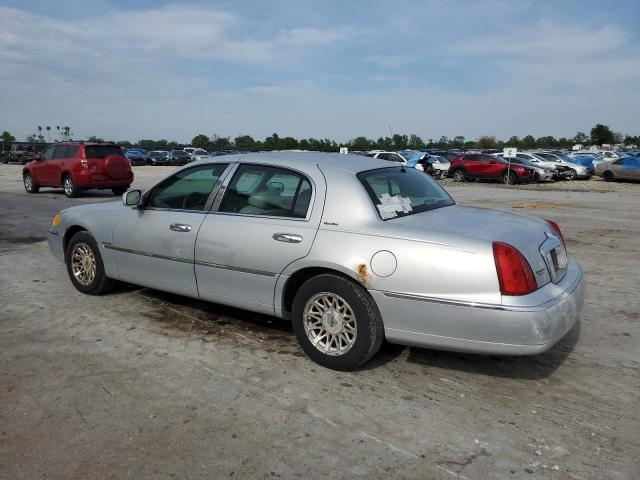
143, 384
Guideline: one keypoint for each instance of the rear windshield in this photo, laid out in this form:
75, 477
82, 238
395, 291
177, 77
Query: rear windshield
401, 191
102, 151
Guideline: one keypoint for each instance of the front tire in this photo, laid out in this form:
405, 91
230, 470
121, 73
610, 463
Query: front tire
607, 176
459, 175
70, 188
29, 184
85, 267
336, 322
572, 174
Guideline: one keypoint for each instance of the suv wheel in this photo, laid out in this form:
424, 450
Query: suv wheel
509, 178
119, 191
85, 267
607, 176
70, 189
459, 175
336, 322
29, 184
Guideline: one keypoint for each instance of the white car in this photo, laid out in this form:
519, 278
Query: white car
197, 153
390, 156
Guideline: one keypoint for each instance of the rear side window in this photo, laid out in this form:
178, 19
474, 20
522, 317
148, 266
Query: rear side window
60, 152
102, 151
268, 191
472, 158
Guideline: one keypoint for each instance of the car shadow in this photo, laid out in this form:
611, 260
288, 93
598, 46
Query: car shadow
93, 193
185, 313
534, 367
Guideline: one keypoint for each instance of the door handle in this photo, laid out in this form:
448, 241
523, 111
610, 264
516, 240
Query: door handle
180, 227
287, 237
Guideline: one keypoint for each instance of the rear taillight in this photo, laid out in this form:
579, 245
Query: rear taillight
514, 272
84, 163
556, 229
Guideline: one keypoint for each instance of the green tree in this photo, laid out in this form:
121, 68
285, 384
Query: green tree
601, 134
415, 142
289, 143
487, 141
66, 133
146, 142
48, 133
6, 137
244, 142
124, 143
200, 141
220, 143
458, 141
360, 143
528, 142
93, 138
273, 142
400, 142
580, 137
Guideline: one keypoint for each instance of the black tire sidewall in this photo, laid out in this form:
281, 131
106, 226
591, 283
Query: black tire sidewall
34, 188
100, 279
370, 332
462, 175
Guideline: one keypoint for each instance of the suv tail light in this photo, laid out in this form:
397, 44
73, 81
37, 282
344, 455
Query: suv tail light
556, 229
83, 158
514, 272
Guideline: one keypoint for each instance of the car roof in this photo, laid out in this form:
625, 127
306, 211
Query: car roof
349, 163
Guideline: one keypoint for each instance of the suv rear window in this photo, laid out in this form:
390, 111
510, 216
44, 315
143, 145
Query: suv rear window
102, 151
400, 191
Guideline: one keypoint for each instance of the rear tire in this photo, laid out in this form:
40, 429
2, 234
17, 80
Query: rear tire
70, 188
119, 191
29, 184
333, 307
536, 178
85, 267
607, 176
571, 174
459, 175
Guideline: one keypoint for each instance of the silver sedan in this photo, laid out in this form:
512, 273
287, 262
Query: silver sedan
351, 250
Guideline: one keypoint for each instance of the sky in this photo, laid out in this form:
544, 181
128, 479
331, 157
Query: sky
126, 70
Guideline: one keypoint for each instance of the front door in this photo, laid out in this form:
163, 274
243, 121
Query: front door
267, 218
41, 170
154, 245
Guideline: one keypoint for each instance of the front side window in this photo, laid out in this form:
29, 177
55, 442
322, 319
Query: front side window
267, 191
187, 189
399, 191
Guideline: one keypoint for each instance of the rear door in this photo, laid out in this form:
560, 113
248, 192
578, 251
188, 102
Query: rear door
268, 217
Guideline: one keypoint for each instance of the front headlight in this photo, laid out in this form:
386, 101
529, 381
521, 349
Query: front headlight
57, 220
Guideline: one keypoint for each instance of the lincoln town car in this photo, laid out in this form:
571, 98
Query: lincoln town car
352, 250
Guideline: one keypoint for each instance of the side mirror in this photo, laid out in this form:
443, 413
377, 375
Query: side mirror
131, 198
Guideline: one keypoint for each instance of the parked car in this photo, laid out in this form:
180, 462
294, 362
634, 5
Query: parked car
19, 153
439, 165
596, 158
389, 156
489, 167
77, 166
196, 153
627, 168
540, 174
584, 160
159, 157
573, 170
179, 157
136, 157
403, 262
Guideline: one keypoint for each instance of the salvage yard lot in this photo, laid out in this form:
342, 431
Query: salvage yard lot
143, 384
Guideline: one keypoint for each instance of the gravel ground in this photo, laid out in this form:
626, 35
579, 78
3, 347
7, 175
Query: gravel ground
142, 384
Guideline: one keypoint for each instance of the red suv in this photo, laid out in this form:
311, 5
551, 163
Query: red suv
481, 165
78, 166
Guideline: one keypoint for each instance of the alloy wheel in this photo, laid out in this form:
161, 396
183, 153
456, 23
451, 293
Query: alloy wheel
330, 323
83, 264
68, 186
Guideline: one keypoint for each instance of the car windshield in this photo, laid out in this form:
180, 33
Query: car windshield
400, 191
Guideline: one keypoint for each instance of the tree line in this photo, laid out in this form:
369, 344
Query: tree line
599, 135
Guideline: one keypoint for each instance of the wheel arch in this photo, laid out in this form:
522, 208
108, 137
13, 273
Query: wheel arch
69, 233
299, 277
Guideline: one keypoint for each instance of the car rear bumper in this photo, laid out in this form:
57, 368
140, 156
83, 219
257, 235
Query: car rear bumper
99, 180
521, 329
